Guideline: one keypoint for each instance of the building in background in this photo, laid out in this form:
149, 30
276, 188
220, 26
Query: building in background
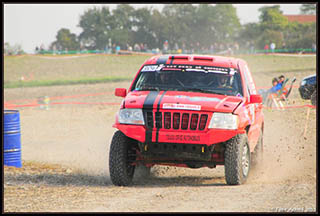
301, 18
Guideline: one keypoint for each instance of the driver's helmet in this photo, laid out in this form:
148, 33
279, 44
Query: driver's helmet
164, 77
223, 80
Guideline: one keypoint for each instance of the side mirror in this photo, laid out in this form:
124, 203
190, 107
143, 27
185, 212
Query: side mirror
255, 99
120, 92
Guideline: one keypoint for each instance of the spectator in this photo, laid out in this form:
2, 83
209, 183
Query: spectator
314, 47
136, 47
283, 82
252, 48
272, 46
166, 46
266, 48
236, 48
211, 48
42, 47
176, 47
117, 49
113, 48
183, 47
281, 79
142, 47
276, 86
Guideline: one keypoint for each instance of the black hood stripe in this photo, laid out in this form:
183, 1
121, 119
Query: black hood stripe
149, 101
172, 57
162, 60
148, 106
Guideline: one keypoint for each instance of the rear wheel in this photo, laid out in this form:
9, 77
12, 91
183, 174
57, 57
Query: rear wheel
237, 160
121, 156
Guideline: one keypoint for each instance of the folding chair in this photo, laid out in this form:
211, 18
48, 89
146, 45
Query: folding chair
282, 95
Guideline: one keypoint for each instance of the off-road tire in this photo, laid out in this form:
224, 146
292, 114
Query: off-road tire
121, 172
314, 98
234, 166
257, 156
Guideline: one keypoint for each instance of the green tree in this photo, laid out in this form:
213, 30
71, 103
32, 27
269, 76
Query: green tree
141, 27
158, 28
299, 35
203, 24
308, 9
226, 23
249, 34
179, 23
123, 17
96, 24
272, 18
66, 40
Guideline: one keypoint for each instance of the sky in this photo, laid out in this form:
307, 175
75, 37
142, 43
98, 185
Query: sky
31, 25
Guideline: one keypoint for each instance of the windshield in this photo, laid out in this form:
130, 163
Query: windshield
225, 81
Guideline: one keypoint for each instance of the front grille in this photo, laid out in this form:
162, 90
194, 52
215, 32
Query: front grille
176, 120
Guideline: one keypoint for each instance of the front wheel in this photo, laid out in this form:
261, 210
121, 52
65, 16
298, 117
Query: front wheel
237, 160
121, 156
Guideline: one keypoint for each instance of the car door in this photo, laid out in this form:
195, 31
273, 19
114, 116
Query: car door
254, 110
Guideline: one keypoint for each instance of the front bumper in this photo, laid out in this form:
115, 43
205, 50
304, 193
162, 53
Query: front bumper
206, 137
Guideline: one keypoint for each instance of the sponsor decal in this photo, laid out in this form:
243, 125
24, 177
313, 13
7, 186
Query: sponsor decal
186, 138
152, 68
181, 106
196, 99
199, 68
252, 112
245, 111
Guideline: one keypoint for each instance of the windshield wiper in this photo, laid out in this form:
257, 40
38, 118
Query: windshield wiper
148, 88
201, 90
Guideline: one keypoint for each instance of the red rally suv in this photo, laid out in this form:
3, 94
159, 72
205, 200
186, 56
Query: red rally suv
188, 111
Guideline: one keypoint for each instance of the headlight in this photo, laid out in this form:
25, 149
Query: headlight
303, 82
224, 121
131, 116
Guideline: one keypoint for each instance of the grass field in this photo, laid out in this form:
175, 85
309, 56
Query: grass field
63, 70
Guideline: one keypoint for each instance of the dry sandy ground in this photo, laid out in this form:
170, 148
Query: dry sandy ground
65, 155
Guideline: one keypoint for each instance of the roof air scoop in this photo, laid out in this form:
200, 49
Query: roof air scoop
180, 57
203, 58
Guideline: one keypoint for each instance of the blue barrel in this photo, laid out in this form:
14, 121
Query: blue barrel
12, 138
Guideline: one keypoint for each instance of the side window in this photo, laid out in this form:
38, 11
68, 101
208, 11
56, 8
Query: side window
246, 87
249, 80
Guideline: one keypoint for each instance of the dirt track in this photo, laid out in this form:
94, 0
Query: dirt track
65, 154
